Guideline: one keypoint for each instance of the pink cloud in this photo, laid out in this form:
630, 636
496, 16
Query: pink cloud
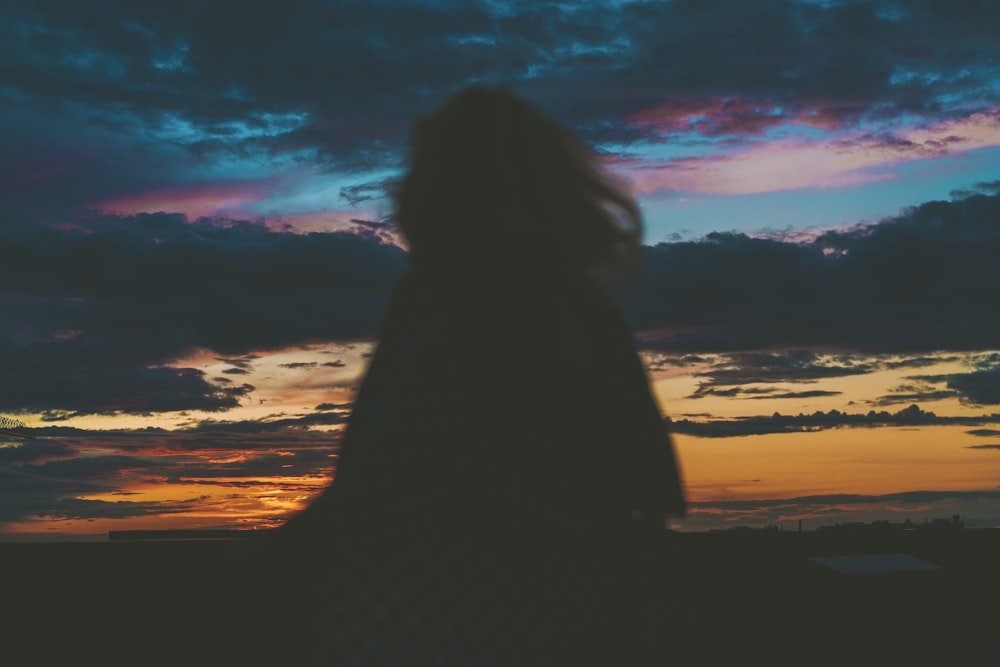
195, 200
709, 117
736, 116
790, 164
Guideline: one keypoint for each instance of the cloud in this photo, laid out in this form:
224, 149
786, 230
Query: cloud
911, 394
197, 200
366, 192
67, 472
82, 388
984, 432
67, 507
818, 421
920, 282
764, 368
988, 187
918, 362
791, 164
979, 387
97, 312
331, 414
816, 393
34, 452
190, 86
759, 393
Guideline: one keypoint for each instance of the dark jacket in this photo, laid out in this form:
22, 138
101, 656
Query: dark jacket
501, 446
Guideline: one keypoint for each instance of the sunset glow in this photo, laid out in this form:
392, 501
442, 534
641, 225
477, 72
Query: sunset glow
199, 246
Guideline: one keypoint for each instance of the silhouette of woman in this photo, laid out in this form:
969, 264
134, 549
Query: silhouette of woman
505, 469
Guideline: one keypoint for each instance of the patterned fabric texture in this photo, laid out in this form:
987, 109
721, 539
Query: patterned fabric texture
500, 491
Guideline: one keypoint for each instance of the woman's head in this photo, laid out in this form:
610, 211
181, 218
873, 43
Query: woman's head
492, 176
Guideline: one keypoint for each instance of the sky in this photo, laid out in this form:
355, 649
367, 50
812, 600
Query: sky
198, 246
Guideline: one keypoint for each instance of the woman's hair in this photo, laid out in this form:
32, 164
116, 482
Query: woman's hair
493, 178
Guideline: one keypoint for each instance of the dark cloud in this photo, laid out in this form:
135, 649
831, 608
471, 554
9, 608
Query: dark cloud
982, 447
94, 314
34, 452
46, 476
917, 362
66, 507
980, 387
366, 192
984, 432
336, 414
382, 229
760, 393
818, 421
77, 386
97, 308
272, 84
923, 281
243, 363
761, 367
815, 393
983, 187
911, 394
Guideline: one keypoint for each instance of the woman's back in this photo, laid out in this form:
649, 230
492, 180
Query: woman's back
519, 398
487, 481
503, 480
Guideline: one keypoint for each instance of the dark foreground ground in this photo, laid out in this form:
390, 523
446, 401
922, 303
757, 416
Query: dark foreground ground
754, 598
